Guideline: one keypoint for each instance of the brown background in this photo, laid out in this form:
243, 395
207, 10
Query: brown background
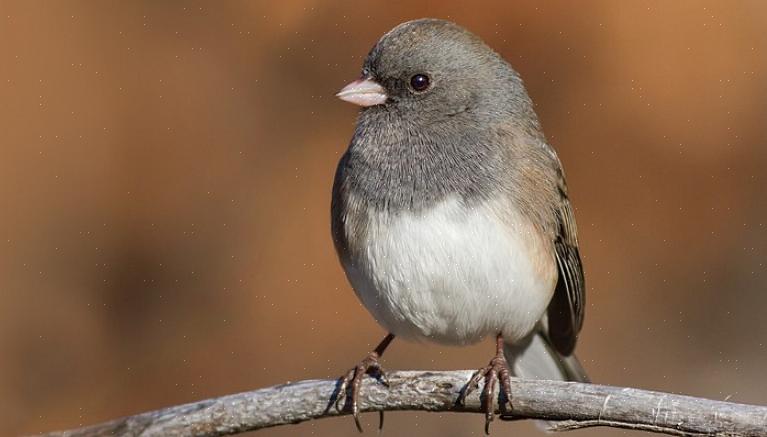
165, 174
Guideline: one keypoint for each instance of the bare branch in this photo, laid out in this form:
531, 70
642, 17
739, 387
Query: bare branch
574, 405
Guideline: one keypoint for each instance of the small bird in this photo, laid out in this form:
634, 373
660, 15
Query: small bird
450, 212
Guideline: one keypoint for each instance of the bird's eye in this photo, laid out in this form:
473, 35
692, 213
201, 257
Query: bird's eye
419, 82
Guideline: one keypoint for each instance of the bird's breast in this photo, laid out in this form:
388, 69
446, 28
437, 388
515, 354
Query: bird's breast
452, 273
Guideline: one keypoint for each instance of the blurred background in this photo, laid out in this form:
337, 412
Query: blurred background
165, 176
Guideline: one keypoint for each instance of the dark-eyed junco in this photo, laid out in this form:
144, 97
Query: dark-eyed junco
450, 212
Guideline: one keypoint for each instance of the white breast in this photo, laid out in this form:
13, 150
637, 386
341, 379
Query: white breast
454, 275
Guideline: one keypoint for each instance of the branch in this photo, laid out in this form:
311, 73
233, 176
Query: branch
574, 405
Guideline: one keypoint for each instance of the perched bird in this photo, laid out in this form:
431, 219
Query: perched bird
450, 213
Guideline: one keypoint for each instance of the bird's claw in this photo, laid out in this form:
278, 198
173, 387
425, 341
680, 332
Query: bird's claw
497, 370
370, 366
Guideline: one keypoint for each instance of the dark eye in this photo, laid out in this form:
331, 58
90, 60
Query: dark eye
419, 82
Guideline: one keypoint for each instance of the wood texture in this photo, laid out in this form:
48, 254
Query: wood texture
574, 405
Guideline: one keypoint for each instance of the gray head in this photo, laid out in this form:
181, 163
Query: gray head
443, 115
429, 71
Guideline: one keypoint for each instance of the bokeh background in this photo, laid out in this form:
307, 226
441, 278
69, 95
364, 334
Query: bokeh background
165, 176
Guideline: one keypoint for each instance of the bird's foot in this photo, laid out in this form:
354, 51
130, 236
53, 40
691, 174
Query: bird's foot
496, 371
370, 366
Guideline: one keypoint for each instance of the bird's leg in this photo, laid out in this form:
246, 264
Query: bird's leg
497, 369
368, 365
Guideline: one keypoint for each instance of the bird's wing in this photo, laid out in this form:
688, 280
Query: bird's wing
566, 309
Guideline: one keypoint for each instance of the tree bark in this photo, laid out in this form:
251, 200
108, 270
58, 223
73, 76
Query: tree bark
572, 405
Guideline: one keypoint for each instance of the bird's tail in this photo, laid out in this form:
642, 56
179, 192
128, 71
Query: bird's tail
534, 357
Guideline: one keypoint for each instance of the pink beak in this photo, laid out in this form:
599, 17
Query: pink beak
363, 92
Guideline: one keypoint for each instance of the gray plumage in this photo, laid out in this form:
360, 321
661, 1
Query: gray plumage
472, 136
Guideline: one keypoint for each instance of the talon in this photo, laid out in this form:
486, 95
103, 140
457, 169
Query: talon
353, 378
380, 419
506, 387
384, 378
497, 370
357, 422
342, 389
370, 366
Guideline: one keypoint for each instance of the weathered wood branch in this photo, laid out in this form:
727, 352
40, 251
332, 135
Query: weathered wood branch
574, 405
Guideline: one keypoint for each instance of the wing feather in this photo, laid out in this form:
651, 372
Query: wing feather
567, 307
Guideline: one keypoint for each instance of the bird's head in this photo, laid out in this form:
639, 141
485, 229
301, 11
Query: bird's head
428, 71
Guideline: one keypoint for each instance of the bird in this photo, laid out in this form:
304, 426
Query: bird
450, 213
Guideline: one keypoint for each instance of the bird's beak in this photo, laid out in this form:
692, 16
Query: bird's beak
363, 92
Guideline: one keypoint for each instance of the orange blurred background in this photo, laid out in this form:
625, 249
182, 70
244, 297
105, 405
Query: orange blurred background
165, 175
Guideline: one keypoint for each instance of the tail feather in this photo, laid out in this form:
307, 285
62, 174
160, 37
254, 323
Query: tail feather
534, 357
